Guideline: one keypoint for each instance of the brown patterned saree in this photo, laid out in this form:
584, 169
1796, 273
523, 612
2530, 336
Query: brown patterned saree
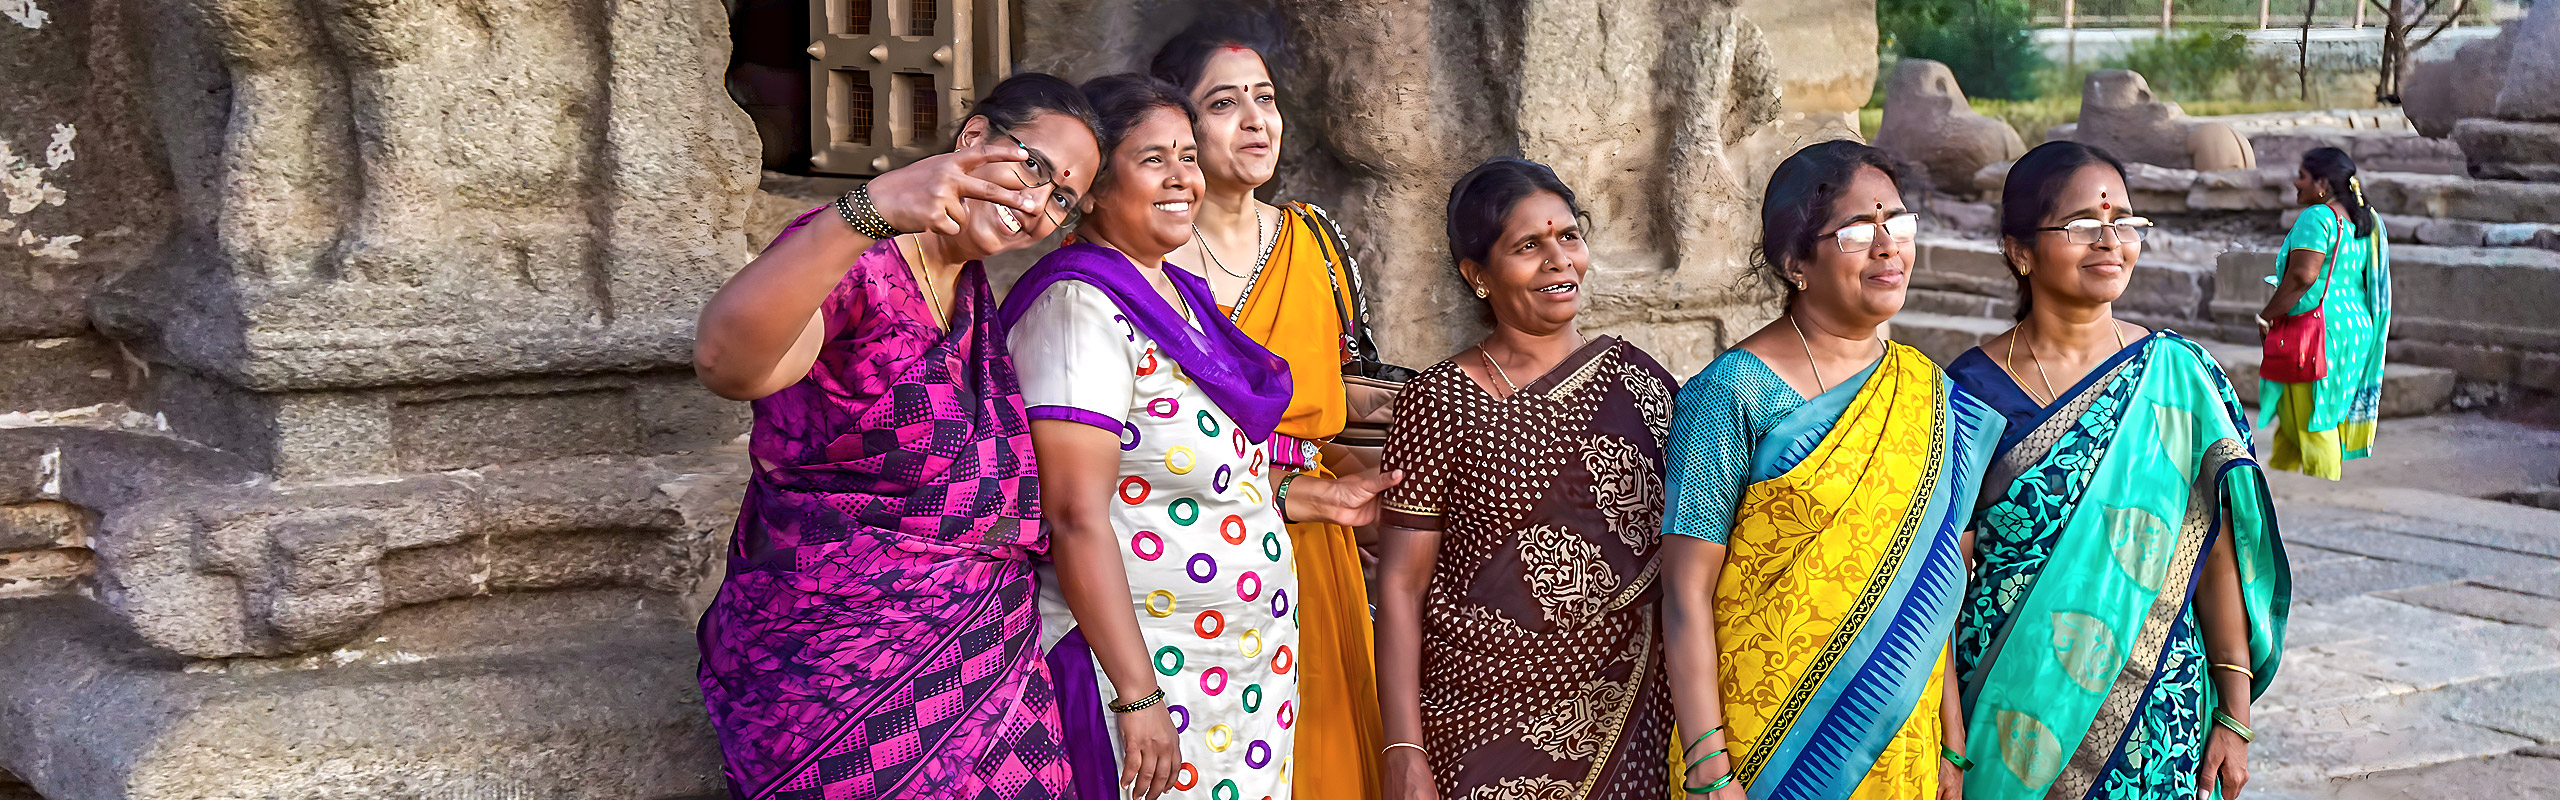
1541, 658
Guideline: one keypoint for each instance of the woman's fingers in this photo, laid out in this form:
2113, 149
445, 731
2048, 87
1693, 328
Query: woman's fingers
964, 185
981, 155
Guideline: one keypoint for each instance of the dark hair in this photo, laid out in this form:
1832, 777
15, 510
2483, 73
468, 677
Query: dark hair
2332, 168
1120, 101
1486, 194
2034, 186
1798, 201
1017, 100
1181, 60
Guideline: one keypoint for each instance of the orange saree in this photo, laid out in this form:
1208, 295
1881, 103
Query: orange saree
1291, 310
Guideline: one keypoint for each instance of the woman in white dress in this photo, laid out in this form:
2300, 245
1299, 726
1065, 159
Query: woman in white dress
1149, 412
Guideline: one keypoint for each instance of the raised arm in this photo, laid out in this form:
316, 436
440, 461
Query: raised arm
762, 330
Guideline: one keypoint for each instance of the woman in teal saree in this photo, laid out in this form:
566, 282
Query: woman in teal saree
2129, 591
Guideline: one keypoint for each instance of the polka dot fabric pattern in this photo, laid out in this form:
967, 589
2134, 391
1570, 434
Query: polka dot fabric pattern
877, 635
1542, 662
1212, 571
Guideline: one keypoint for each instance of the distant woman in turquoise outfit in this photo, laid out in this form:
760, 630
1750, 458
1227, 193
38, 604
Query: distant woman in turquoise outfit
2335, 261
2129, 592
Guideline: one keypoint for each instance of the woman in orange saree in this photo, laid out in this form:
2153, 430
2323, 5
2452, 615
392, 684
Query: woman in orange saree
1283, 276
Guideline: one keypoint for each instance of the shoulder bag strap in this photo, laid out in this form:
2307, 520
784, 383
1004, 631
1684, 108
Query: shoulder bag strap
2337, 244
1355, 328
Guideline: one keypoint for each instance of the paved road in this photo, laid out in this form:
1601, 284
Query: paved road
2423, 659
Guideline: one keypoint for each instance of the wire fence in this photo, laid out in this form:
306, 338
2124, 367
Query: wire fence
2220, 13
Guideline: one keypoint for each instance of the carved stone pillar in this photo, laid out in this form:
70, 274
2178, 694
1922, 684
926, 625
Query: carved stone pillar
418, 493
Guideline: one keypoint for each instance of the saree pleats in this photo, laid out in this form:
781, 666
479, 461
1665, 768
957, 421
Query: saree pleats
2081, 660
1290, 308
1840, 587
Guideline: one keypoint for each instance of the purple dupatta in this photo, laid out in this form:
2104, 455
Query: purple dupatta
1247, 380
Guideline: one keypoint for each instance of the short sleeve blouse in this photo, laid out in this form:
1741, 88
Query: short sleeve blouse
1077, 357
1720, 419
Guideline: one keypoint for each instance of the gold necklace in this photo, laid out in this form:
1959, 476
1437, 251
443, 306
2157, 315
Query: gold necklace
932, 292
1818, 386
1508, 388
1258, 247
2049, 394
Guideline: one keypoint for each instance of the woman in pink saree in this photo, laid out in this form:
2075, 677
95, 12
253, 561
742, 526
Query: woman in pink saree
877, 633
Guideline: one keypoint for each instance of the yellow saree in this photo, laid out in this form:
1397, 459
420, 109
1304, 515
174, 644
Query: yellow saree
1841, 584
1290, 308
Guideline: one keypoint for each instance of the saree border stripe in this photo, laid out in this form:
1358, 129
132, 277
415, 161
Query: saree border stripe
2133, 681
1617, 725
2058, 420
1867, 696
1854, 620
2042, 441
855, 718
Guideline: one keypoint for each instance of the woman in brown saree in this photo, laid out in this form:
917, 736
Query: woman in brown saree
1519, 655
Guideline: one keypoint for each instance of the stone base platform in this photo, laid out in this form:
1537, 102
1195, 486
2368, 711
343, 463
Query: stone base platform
572, 694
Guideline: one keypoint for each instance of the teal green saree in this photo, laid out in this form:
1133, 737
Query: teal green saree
2082, 667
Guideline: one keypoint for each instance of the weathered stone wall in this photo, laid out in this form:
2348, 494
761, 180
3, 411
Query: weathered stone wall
347, 443
343, 362
1666, 118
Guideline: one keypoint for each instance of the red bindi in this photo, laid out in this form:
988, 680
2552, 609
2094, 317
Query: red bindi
1070, 173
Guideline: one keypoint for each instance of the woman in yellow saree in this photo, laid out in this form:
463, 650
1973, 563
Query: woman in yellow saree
1820, 476
1281, 274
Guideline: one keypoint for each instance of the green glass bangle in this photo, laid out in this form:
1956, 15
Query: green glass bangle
2225, 720
1962, 764
1710, 788
1703, 759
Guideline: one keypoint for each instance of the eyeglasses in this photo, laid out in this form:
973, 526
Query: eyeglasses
2086, 231
1857, 238
1035, 172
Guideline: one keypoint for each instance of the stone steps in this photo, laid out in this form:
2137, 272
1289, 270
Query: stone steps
2458, 232
1975, 267
2407, 389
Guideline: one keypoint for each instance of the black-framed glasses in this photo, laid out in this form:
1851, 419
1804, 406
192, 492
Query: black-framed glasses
2086, 231
1857, 238
1034, 172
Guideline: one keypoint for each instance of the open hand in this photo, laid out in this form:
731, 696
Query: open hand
1409, 775
1150, 753
2226, 764
928, 195
1350, 501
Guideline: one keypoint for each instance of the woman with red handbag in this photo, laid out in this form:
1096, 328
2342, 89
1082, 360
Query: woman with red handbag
2327, 324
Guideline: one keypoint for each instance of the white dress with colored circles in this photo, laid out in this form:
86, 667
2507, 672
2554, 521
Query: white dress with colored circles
1211, 575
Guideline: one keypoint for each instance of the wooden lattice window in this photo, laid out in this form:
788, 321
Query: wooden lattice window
951, 51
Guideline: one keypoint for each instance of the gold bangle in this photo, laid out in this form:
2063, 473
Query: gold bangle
2244, 671
1416, 748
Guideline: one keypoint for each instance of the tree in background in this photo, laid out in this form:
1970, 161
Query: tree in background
1986, 43
2191, 66
2399, 18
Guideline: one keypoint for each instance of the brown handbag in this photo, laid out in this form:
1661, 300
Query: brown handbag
2297, 347
1370, 384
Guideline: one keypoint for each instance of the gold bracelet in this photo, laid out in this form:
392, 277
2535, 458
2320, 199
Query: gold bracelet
2244, 671
1416, 748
